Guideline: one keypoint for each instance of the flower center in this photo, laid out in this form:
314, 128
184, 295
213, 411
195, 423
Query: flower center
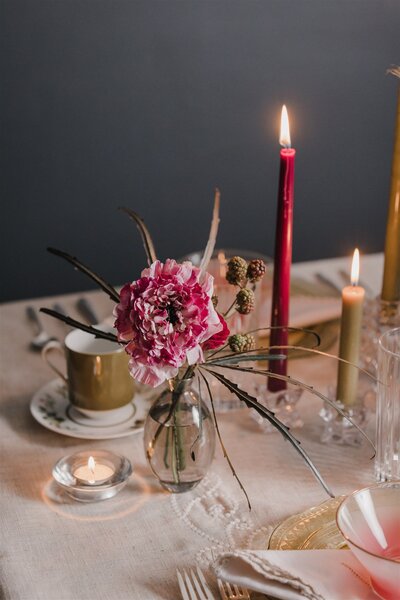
172, 316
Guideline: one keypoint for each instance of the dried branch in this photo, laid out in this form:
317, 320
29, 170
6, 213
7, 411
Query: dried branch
108, 288
247, 355
212, 238
78, 325
320, 353
224, 451
298, 329
394, 70
294, 329
304, 386
146, 237
234, 358
252, 402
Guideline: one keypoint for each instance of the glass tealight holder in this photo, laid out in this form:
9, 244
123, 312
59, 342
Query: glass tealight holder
283, 404
92, 475
339, 430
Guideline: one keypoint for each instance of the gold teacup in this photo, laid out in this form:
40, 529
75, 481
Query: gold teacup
98, 380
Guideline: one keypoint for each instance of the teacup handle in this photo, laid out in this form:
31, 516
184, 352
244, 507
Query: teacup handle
49, 347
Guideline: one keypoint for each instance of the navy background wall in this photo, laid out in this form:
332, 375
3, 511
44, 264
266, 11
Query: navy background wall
151, 104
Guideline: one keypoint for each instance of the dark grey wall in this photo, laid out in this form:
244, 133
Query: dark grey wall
151, 104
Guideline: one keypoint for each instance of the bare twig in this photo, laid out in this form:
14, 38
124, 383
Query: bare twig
108, 288
304, 386
105, 335
224, 451
252, 402
394, 70
298, 329
320, 353
212, 238
146, 237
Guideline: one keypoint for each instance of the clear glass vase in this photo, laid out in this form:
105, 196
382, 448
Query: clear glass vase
179, 437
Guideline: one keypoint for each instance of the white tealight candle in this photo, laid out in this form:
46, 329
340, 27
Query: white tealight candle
93, 472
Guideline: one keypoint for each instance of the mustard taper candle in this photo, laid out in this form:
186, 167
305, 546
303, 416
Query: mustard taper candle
350, 333
391, 274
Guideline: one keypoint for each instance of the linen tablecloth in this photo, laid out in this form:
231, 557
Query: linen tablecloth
130, 547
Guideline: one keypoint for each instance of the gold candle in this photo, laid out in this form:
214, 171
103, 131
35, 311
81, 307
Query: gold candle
391, 275
350, 332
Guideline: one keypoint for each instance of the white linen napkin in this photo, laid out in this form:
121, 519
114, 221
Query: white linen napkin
297, 574
306, 310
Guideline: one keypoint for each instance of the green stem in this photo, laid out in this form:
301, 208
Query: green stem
178, 435
174, 459
166, 449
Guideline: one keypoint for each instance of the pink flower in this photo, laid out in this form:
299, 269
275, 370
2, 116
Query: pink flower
166, 316
218, 339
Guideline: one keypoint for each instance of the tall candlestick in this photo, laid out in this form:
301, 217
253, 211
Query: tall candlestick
283, 254
350, 331
391, 275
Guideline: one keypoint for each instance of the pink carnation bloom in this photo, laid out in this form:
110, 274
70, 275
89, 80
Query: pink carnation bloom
165, 316
218, 339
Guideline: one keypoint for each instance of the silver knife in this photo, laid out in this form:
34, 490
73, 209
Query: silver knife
87, 311
346, 278
328, 283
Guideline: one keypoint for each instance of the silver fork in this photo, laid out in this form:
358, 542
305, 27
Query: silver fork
194, 587
232, 592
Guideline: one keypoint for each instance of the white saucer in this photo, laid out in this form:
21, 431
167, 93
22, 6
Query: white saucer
51, 408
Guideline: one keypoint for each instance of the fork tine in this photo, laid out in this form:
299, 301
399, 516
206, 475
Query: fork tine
197, 585
193, 595
228, 586
222, 590
204, 583
182, 586
231, 591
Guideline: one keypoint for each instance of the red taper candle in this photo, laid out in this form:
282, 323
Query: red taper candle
283, 255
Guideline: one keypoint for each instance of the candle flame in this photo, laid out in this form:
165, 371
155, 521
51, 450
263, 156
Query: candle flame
284, 138
91, 463
355, 267
222, 265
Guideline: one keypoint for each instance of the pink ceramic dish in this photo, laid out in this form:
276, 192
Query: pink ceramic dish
369, 519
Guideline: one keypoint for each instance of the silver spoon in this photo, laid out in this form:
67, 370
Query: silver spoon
42, 337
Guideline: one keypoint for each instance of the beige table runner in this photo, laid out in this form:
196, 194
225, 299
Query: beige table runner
129, 547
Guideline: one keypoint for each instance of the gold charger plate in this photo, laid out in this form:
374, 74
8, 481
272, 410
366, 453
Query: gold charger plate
313, 529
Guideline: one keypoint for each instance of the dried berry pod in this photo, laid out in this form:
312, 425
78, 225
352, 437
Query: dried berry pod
256, 270
236, 270
242, 342
245, 301
214, 300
